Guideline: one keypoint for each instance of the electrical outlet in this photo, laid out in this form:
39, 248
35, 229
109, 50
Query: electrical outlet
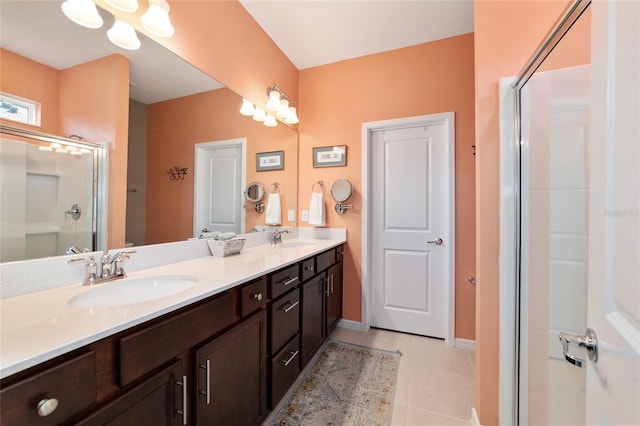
291, 215
305, 215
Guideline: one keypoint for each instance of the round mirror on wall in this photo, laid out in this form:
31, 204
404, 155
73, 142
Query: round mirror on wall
254, 192
341, 190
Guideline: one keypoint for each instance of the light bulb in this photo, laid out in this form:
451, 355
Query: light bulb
270, 121
156, 19
82, 12
247, 108
259, 115
283, 110
274, 100
123, 35
292, 117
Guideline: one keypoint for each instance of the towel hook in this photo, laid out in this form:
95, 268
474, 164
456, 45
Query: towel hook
321, 183
275, 188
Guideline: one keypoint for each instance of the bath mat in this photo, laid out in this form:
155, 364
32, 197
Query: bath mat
348, 385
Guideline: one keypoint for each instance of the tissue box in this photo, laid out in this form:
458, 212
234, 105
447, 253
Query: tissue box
225, 248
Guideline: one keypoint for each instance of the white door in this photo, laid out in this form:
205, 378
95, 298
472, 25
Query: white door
613, 382
219, 182
412, 239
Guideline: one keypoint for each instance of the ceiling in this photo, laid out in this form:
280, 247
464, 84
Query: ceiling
309, 32
318, 32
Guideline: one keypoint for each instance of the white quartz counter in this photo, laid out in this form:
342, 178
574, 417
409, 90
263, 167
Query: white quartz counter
39, 326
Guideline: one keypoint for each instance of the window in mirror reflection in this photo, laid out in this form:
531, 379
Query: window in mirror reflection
19, 109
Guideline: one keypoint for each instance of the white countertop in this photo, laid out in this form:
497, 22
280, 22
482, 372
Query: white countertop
39, 326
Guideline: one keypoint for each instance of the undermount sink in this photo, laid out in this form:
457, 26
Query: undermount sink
128, 291
296, 244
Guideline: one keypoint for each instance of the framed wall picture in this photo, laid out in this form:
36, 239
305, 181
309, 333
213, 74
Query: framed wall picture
270, 161
330, 156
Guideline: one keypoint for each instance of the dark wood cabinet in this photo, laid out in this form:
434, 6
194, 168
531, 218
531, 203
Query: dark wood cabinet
333, 291
312, 323
158, 400
231, 378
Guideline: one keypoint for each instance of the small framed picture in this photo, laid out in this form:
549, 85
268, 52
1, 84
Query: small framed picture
270, 161
330, 156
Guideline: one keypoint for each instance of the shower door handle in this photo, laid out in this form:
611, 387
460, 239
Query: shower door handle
588, 341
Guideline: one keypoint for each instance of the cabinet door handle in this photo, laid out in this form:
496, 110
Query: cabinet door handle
47, 406
289, 281
288, 361
207, 391
290, 307
183, 412
331, 281
326, 281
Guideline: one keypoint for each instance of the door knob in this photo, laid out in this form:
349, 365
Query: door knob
588, 341
437, 241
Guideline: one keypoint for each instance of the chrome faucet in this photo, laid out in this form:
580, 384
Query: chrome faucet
112, 267
276, 236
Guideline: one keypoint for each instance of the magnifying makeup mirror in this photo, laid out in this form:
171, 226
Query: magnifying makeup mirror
254, 193
341, 192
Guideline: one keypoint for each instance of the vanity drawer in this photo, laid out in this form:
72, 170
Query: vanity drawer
326, 259
284, 280
152, 346
339, 253
72, 383
285, 319
253, 296
285, 368
308, 268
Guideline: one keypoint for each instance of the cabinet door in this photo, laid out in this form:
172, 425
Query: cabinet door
334, 297
312, 316
156, 401
231, 384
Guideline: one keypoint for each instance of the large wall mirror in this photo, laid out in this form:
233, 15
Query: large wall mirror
169, 108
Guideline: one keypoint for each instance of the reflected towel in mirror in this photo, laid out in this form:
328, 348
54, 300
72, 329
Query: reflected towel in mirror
316, 209
274, 210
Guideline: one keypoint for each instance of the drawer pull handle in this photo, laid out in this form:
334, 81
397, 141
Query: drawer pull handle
290, 307
288, 361
183, 412
258, 296
289, 281
207, 391
308, 268
47, 406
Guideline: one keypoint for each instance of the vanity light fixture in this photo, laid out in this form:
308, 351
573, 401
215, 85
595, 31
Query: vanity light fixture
156, 19
247, 108
123, 5
270, 121
123, 35
292, 116
283, 110
280, 102
82, 12
259, 115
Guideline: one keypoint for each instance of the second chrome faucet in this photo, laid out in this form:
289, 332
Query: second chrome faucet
112, 267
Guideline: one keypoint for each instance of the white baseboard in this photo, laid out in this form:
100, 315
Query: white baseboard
474, 417
352, 325
467, 344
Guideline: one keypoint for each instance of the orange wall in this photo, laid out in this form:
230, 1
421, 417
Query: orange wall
94, 103
506, 34
174, 126
34, 81
222, 39
336, 99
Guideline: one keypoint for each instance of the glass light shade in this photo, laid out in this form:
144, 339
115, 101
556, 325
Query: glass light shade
156, 19
123, 35
292, 116
85, 151
270, 121
283, 110
75, 153
274, 100
259, 115
82, 12
123, 5
45, 148
247, 108
71, 148
55, 145
61, 150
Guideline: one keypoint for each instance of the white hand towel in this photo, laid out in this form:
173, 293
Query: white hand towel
316, 209
274, 215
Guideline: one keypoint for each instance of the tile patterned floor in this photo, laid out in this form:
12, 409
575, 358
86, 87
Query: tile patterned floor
435, 382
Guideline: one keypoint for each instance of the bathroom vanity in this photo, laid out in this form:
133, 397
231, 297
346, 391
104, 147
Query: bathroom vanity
224, 351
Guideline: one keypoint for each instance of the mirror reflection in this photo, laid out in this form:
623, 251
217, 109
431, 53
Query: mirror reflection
149, 105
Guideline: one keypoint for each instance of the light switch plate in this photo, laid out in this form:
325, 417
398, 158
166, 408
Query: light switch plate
305, 215
291, 215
